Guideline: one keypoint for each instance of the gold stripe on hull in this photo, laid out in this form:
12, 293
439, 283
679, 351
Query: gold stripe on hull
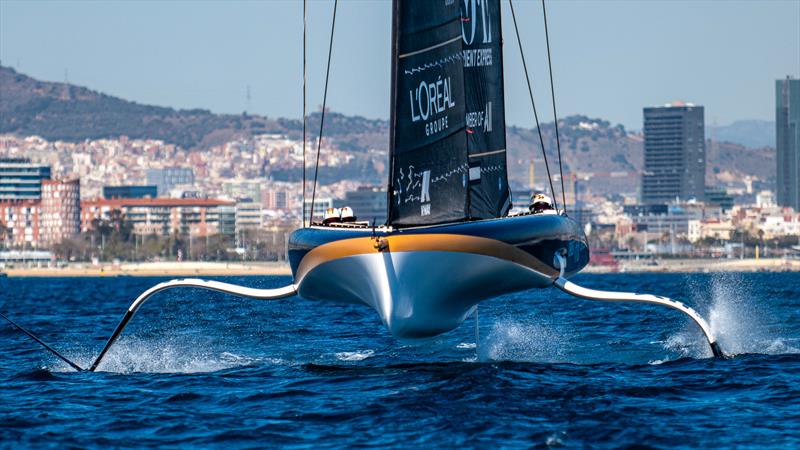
420, 243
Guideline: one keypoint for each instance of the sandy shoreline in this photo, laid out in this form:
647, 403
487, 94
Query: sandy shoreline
199, 269
701, 266
161, 269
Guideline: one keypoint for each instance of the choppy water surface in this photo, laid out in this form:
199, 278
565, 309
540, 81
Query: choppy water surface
200, 369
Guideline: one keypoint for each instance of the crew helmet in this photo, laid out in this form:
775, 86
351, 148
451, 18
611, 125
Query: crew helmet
347, 214
332, 215
540, 202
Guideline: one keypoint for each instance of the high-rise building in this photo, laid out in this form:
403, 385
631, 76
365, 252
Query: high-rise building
61, 210
674, 153
168, 177
20, 179
787, 122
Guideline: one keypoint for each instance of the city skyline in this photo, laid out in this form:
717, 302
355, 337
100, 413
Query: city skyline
714, 55
661, 181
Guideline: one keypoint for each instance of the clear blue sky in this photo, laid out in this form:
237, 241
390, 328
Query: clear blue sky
610, 57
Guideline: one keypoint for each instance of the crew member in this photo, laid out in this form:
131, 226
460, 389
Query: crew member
541, 204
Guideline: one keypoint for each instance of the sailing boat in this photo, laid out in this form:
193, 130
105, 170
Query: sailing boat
449, 241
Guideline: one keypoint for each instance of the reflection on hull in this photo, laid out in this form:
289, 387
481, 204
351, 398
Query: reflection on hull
421, 293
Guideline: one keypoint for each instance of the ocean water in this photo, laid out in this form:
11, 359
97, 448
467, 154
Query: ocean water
201, 369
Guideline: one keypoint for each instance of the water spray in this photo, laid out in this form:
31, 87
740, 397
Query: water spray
609, 296
227, 288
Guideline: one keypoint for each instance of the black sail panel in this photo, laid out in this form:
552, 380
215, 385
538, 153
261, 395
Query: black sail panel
485, 108
429, 161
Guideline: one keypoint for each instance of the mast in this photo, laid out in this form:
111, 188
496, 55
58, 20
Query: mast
305, 115
392, 112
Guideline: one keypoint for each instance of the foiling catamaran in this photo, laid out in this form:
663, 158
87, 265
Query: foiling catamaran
449, 241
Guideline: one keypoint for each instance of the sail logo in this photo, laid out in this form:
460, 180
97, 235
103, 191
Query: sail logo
425, 196
478, 119
430, 99
487, 123
477, 57
473, 18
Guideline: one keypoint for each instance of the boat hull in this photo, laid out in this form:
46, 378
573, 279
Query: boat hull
424, 282
418, 294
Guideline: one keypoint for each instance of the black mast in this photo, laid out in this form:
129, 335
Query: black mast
392, 113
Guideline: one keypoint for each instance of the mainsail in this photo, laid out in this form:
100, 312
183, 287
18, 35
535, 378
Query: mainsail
448, 126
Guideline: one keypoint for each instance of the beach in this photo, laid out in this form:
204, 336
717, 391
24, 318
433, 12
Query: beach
700, 265
200, 268
153, 269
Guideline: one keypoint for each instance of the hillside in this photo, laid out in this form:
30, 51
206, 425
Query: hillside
59, 111
748, 133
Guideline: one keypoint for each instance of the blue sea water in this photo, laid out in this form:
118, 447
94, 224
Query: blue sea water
200, 369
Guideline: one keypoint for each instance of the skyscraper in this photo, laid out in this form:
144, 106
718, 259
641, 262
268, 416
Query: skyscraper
674, 153
787, 134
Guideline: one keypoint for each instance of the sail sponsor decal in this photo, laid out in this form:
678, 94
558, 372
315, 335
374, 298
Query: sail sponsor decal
425, 198
476, 22
483, 80
415, 187
480, 119
429, 101
478, 57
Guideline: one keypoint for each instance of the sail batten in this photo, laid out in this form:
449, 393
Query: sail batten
448, 119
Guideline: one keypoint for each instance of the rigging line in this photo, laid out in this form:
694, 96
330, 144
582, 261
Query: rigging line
42, 343
322, 117
555, 114
305, 120
533, 104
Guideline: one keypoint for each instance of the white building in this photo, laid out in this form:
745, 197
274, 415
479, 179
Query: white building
710, 229
249, 216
